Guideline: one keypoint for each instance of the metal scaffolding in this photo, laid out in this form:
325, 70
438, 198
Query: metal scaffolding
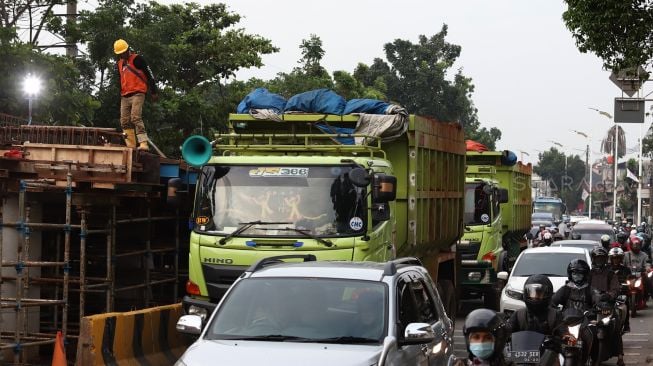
118, 254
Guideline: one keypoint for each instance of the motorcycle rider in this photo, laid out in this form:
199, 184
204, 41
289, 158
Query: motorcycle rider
485, 337
546, 241
606, 242
576, 294
622, 241
606, 288
636, 258
538, 315
616, 256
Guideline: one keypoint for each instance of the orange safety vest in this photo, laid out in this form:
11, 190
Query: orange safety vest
132, 80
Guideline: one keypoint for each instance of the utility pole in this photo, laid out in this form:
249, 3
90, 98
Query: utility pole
71, 16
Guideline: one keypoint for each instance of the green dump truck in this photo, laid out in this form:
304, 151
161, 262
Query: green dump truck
497, 216
271, 188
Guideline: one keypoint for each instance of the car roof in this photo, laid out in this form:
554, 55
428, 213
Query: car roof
369, 271
564, 249
572, 242
591, 222
593, 226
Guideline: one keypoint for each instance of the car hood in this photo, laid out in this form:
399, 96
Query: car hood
234, 352
517, 283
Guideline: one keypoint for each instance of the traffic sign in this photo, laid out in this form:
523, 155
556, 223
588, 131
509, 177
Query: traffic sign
629, 80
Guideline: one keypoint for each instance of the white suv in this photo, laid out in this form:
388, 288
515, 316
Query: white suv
324, 313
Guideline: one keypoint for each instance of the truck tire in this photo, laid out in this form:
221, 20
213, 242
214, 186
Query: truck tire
448, 296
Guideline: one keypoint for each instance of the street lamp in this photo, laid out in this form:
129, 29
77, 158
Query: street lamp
587, 161
616, 160
562, 184
31, 87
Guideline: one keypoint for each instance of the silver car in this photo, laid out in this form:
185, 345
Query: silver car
324, 313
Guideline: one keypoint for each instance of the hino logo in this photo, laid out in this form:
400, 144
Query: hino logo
219, 260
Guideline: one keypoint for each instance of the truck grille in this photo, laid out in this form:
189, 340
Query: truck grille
468, 250
219, 278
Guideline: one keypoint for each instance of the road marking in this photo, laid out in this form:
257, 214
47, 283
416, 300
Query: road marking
632, 354
632, 347
635, 340
636, 334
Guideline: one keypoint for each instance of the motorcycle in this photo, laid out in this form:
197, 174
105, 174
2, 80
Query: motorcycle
649, 280
636, 291
605, 325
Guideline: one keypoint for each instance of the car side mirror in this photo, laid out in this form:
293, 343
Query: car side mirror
503, 275
190, 324
503, 195
418, 333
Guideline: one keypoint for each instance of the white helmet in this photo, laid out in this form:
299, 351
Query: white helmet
633, 232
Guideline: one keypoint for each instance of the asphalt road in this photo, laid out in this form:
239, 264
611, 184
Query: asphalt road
638, 344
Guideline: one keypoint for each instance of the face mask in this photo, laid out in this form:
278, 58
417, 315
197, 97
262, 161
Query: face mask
482, 350
577, 277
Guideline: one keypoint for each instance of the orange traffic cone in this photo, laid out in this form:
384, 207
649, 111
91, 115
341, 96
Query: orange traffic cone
59, 356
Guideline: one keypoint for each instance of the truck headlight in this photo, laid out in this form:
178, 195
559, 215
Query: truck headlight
196, 310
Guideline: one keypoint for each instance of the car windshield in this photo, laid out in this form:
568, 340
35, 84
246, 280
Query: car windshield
319, 200
550, 264
551, 207
477, 204
303, 309
542, 216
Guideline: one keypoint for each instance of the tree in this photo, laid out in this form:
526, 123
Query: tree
617, 31
415, 77
568, 182
628, 200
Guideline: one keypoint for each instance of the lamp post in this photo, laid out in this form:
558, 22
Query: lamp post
31, 87
588, 164
562, 184
616, 160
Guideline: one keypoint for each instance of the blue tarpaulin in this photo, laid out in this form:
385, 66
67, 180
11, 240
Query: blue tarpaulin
317, 101
508, 158
338, 130
261, 98
371, 106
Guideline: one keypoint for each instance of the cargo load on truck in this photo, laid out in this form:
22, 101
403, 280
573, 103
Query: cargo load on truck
306, 183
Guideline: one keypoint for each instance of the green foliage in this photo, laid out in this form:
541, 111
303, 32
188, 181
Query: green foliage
628, 200
567, 182
617, 31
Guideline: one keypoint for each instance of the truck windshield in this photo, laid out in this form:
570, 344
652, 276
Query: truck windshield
554, 208
477, 204
319, 200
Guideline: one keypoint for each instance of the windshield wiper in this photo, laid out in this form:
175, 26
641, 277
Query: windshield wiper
267, 337
326, 242
342, 340
246, 225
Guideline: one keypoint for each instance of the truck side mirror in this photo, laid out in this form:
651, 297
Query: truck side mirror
359, 177
503, 195
384, 188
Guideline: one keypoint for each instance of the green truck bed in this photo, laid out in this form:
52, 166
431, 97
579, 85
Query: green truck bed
517, 180
429, 162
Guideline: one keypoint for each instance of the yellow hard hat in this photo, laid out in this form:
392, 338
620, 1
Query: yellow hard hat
120, 46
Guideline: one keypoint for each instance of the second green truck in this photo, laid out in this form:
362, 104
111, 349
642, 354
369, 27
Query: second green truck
497, 216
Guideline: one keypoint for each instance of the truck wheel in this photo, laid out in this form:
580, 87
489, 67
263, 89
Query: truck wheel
448, 295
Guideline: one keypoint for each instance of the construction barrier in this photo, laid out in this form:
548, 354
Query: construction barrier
140, 338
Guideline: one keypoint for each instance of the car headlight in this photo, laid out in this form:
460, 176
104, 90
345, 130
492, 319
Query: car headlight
606, 320
513, 294
638, 282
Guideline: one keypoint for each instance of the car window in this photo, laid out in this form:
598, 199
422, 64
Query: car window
303, 307
551, 264
424, 301
406, 306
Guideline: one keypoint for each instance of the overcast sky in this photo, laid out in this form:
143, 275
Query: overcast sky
531, 81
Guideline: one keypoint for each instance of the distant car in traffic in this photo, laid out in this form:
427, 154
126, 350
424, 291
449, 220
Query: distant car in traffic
325, 313
542, 216
550, 261
591, 230
583, 244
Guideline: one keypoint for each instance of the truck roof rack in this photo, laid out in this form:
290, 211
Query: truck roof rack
390, 267
278, 259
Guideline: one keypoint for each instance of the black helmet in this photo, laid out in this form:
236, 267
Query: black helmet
578, 267
605, 240
622, 237
538, 291
489, 321
599, 257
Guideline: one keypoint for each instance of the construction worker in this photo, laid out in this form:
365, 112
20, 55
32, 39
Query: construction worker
135, 78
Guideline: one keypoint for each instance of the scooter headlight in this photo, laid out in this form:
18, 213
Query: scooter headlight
574, 330
606, 320
638, 282
650, 274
